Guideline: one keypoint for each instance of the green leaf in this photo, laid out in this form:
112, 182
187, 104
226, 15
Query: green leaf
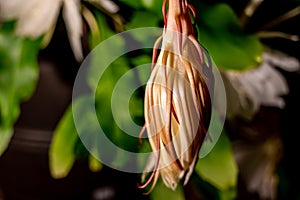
116, 102
228, 194
154, 6
113, 99
209, 191
161, 192
214, 133
221, 34
133, 3
26, 78
203, 188
8, 26
87, 129
219, 167
94, 164
5, 136
18, 78
61, 152
105, 30
138, 20
67, 146
101, 57
92, 137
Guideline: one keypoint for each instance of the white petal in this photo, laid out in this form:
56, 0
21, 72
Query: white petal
39, 18
282, 60
261, 86
73, 21
12, 9
267, 86
275, 87
108, 5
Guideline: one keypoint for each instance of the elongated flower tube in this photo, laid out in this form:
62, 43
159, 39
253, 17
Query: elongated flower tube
177, 103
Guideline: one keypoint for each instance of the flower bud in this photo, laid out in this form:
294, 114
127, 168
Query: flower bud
177, 103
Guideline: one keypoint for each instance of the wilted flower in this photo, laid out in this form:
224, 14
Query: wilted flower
38, 17
177, 99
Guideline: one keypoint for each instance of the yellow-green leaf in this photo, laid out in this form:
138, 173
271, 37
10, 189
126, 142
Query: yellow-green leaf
61, 152
219, 167
161, 192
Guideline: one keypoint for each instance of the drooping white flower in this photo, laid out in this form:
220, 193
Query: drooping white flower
177, 99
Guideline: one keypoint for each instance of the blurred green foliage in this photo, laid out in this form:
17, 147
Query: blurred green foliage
221, 33
18, 77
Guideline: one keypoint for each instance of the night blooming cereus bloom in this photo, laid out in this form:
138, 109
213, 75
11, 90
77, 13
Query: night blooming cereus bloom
177, 100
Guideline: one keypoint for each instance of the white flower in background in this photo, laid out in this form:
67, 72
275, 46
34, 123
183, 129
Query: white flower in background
257, 146
262, 86
38, 17
281, 60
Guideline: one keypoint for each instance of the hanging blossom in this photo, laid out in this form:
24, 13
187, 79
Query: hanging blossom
38, 17
177, 103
